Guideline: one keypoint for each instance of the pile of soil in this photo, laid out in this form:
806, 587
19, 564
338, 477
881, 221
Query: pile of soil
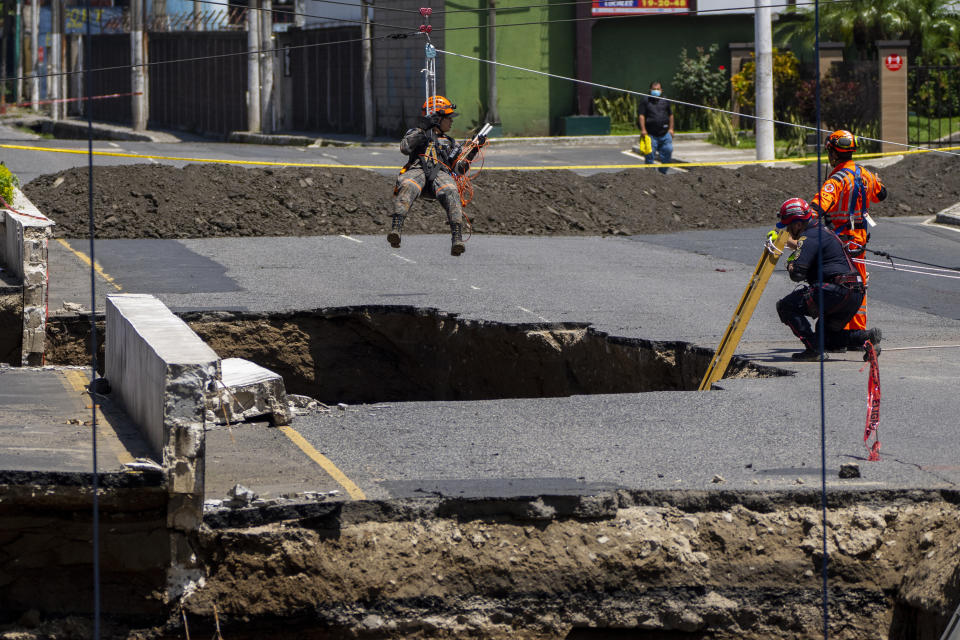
203, 201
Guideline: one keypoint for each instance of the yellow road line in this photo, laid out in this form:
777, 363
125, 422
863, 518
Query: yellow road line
267, 163
353, 490
85, 259
78, 381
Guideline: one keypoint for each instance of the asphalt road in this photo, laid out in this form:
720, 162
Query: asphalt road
753, 434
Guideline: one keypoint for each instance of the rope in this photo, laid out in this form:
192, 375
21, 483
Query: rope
923, 271
884, 254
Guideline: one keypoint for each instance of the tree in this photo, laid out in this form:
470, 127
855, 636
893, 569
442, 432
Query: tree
931, 26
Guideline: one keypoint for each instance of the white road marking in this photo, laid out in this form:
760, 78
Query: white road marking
475, 288
351, 239
525, 310
633, 155
114, 145
397, 255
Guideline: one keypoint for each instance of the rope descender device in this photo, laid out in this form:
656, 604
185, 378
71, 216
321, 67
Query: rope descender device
430, 79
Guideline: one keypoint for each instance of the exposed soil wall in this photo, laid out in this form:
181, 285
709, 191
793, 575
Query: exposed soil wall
662, 566
46, 534
11, 324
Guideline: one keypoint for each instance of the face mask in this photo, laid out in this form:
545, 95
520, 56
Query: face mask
655, 92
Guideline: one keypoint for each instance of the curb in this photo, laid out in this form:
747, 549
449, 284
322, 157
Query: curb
950, 215
72, 129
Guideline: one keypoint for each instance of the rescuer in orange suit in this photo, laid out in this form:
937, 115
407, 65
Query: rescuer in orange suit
844, 202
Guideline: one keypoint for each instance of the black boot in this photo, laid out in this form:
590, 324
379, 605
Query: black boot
456, 232
394, 236
858, 337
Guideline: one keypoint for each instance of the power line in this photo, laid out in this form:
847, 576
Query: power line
294, 13
590, 2
246, 52
380, 8
681, 102
401, 35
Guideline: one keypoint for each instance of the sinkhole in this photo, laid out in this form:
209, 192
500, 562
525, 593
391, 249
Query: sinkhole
372, 354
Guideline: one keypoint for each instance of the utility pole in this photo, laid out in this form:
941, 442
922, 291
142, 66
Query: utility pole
55, 58
763, 80
493, 116
3, 57
35, 54
18, 54
367, 48
138, 85
253, 67
267, 121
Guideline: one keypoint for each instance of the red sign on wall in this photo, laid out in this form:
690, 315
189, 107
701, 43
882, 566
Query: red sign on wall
634, 7
893, 62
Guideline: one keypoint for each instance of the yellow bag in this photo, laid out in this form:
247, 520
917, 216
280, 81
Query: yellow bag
645, 146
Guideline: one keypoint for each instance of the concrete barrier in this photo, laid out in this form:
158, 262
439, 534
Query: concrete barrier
25, 235
160, 371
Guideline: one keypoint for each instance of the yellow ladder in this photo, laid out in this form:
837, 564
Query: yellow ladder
741, 316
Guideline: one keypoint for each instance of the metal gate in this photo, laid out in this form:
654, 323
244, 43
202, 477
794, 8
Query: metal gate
206, 91
326, 79
111, 52
933, 106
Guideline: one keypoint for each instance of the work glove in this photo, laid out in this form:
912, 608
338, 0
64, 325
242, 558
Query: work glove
769, 244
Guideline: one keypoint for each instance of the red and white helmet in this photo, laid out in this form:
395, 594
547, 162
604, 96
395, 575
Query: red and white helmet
792, 210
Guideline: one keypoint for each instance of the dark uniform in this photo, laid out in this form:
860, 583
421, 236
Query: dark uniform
429, 170
842, 289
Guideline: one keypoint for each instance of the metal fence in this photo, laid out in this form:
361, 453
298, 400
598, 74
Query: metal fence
933, 106
326, 86
202, 94
111, 52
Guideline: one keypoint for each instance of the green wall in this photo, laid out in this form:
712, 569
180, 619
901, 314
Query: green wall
528, 103
627, 53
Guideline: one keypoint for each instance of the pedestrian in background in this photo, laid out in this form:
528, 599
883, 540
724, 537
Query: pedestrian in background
655, 119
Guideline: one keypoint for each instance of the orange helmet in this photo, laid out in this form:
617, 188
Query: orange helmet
842, 141
792, 210
438, 104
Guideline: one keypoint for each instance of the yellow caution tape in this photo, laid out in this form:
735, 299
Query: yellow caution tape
580, 167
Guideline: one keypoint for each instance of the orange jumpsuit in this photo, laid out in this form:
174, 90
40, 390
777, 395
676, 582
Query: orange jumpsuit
843, 201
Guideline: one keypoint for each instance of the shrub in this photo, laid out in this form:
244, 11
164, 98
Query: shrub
786, 79
721, 129
621, 109
699, 81
7, 183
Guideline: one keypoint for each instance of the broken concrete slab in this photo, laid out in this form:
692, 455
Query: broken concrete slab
245, 391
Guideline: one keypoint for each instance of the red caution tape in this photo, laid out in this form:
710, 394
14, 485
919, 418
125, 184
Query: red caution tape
21, 213
873, 404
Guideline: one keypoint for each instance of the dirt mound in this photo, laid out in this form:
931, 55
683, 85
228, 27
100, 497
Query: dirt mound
202, 201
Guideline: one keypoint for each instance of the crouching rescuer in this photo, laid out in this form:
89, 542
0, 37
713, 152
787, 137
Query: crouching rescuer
434, 170
842, 286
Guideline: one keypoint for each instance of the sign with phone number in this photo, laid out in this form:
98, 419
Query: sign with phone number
633, 7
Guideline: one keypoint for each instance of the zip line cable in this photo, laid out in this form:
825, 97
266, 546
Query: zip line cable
815, 129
